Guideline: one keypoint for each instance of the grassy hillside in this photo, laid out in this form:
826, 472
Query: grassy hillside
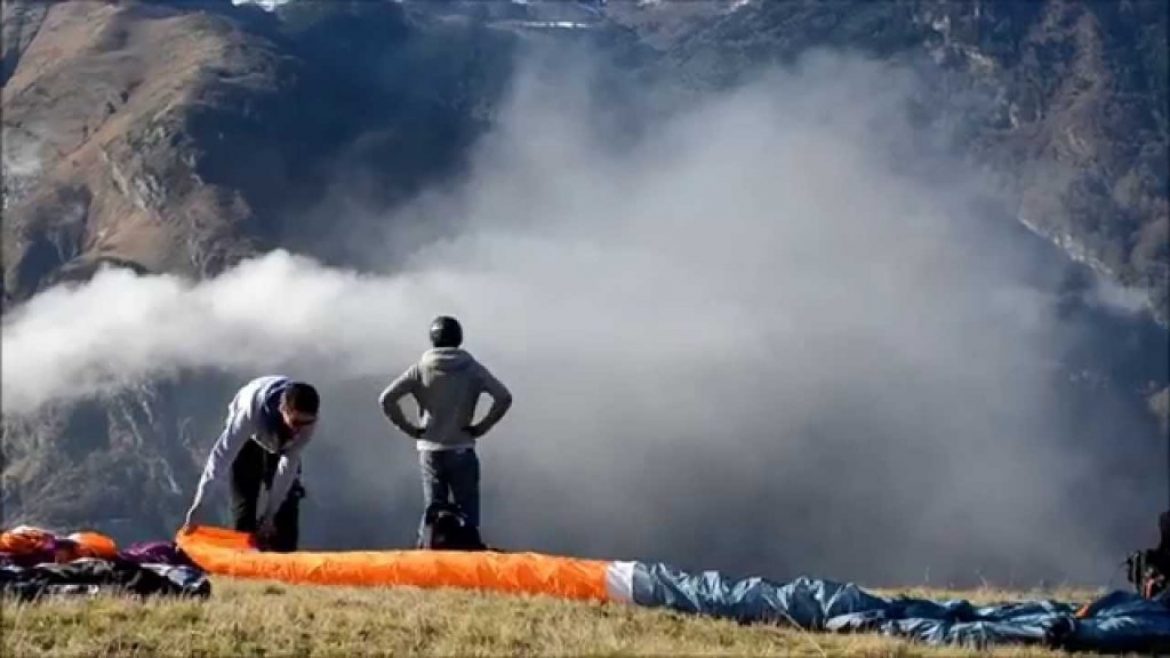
275, 619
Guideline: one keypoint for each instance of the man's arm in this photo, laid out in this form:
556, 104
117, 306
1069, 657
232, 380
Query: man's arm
406, 384
235, 433
286, 473
501, 402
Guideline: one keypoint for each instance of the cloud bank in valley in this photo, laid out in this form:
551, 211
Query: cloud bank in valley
772, 332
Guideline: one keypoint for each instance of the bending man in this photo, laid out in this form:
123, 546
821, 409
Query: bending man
269, 422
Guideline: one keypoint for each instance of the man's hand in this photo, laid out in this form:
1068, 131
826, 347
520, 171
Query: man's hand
266, 532
474, 430
418, 432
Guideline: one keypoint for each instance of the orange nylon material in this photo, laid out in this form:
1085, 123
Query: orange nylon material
231, 553
27, 540
93, 544
23, 541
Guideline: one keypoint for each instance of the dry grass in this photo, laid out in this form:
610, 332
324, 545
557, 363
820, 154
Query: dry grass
248, 618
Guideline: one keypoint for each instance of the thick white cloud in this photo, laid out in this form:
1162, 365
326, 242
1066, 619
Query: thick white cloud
768, 331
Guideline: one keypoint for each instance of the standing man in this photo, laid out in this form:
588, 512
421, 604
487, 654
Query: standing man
447, 383
269, 422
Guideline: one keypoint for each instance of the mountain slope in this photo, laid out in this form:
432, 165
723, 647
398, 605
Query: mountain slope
97, 120
181, 137
1066, 100
178, 152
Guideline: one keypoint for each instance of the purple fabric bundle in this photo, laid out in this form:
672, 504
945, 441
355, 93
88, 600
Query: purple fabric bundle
156, 552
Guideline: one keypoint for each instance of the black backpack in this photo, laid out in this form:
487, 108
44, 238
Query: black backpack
445, 528
1149, 570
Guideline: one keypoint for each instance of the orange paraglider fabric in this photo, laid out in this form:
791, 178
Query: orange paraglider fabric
40, 544
93, 544
229, 553
26, 540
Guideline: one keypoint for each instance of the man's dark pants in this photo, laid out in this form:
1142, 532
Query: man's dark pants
255, 467
450, 475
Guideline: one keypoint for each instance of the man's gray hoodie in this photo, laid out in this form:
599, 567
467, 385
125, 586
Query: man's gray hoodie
447, 383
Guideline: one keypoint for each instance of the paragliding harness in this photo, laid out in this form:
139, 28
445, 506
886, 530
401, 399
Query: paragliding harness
1149, 570
446, 529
